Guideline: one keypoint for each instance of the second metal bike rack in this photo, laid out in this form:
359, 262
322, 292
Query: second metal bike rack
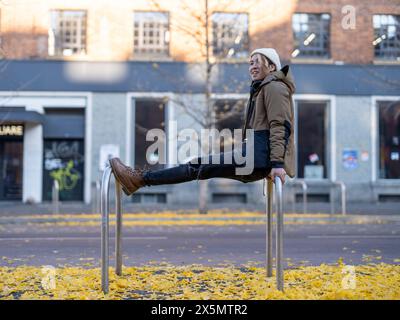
278, 233
343, 196
105, 210
96, 197
304, 188
55, 194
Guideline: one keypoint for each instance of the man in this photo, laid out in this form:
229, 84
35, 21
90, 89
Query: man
269, 114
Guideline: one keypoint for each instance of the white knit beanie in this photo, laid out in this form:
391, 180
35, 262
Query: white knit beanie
271, 54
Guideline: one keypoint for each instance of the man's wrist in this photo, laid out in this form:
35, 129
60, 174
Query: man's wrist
277, 164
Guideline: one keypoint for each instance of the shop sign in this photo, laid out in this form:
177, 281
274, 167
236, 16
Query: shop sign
11, 130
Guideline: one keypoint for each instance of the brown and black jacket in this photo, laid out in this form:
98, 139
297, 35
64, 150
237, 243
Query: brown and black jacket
269, 113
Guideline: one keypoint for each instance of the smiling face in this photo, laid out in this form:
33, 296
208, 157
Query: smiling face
259, 67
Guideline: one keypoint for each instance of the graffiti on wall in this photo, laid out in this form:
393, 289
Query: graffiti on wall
63, 161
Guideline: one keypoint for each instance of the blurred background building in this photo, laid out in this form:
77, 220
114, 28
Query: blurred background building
82, 80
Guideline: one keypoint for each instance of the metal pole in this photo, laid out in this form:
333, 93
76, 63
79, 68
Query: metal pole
343, 196
279, 233
268, 239
56, 197
105, 209
98, 202
304, 187
118, 229
96, 197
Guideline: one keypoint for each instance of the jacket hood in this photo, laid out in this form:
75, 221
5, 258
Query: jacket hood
284, 75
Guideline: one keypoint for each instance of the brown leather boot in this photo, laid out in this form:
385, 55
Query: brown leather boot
130, 179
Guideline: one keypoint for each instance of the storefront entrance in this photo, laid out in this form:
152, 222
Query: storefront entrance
11, 160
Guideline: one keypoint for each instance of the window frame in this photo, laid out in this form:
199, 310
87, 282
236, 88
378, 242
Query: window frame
246, 48
324, 56
146, 54
59, 52
384, 57
330, 114
375, 147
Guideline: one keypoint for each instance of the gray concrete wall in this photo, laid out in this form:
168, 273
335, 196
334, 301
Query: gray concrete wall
353, 132
108, 125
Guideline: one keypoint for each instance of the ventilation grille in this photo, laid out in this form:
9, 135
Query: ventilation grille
149, 198
389, 198
229, 198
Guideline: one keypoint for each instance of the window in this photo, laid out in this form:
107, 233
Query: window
230, 35
311, 140
1, 50
229, 114
149, 114
67, 35
311, 34
151, 34
387, 37
389, 139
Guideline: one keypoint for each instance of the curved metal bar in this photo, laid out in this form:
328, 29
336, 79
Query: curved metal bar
118, 229
343, 196
342, 186
305, 188
279, 233
56, 197
105, 209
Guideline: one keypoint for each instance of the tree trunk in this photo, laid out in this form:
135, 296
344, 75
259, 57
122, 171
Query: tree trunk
203, 184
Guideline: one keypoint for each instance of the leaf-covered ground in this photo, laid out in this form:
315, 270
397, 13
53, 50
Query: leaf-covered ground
166, 218
370, 281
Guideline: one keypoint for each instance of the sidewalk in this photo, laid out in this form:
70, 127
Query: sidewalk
18, 208
168, 218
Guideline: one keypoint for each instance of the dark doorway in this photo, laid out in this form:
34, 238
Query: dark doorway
311, 140
11, 163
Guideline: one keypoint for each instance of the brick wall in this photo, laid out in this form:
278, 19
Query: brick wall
24, 26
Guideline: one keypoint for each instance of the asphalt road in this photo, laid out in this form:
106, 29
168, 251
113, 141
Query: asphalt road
209, 245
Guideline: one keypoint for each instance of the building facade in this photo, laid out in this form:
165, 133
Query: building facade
88, 79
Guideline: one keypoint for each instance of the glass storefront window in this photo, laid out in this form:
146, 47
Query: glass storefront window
149, 114
64, 162
389, 139
312, 140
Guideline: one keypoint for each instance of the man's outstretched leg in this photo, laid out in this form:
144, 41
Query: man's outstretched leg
133, 179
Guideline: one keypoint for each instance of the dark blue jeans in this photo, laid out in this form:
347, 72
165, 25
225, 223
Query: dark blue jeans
199, 170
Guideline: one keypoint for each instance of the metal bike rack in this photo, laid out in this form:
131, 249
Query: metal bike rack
278, 233
96, 197
55, 194
304, 187
105, 210
343, 196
